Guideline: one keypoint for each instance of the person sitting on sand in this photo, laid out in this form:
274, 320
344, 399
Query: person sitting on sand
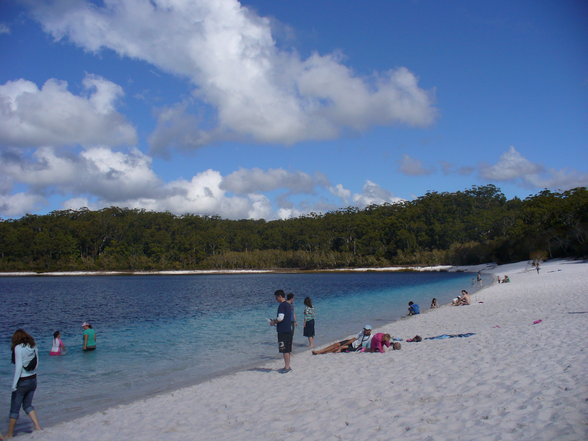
351, 344
463, 299
413, 308
506, 279
434, 303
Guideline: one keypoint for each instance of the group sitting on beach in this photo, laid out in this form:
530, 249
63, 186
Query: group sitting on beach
365, 341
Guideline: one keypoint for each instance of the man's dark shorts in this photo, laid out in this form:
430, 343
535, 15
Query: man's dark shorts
284, 342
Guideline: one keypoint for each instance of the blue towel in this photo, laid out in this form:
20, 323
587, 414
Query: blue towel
444, 336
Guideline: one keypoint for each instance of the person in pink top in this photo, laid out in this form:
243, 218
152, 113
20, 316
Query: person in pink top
378, 342
58, 346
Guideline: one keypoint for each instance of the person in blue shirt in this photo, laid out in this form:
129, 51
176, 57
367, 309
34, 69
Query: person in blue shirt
283, 324
413, 308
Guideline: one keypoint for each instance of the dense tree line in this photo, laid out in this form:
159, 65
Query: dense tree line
467, 227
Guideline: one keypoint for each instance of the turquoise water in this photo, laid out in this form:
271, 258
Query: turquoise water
157, 333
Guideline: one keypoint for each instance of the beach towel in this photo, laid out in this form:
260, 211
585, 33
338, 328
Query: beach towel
444, 336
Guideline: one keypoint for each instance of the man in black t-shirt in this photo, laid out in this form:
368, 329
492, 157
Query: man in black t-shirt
283, 324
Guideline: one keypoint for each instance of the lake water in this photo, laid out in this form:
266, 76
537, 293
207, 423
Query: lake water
160, 332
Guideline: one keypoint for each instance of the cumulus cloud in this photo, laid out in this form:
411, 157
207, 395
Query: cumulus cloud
511, 166
98, 171
514, 167
341, 192
257, 91
203, 195
373, 194
51, 115
413, 167
99, 177
18, 204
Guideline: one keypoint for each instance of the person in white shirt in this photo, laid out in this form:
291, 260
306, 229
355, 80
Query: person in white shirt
25, 356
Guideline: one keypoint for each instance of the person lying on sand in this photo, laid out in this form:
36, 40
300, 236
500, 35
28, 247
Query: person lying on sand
340, 346
349, 345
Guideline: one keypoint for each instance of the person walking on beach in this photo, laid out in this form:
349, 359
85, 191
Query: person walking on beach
308, 330
89, 336
290, 300
25, 356
283, 324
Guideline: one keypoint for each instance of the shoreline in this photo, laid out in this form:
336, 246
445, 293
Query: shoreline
467, 371
434, 268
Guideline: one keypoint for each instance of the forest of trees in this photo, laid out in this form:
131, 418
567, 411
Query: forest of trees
462, 228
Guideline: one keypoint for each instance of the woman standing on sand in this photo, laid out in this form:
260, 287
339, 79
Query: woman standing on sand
309, 321
25, 357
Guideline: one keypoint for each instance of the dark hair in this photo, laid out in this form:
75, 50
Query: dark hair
280, 293
308, 302
55, 334
410, 303
290, 296
21, 337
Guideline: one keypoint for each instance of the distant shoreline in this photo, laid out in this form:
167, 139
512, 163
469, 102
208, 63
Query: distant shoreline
436, 268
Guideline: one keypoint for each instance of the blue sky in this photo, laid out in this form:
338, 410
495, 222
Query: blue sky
274, 109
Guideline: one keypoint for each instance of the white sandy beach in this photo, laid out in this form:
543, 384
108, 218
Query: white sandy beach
513, 380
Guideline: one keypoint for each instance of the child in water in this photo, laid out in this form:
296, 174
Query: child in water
58, 346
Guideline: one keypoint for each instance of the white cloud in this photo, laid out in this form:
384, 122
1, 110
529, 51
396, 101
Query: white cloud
228, 53
18, 204
52, 115
511, 166
413, 167
559, 179
98, 171
341, 192
99, 177
514, 167
4, 29
203, 195
77, 203
373, 194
